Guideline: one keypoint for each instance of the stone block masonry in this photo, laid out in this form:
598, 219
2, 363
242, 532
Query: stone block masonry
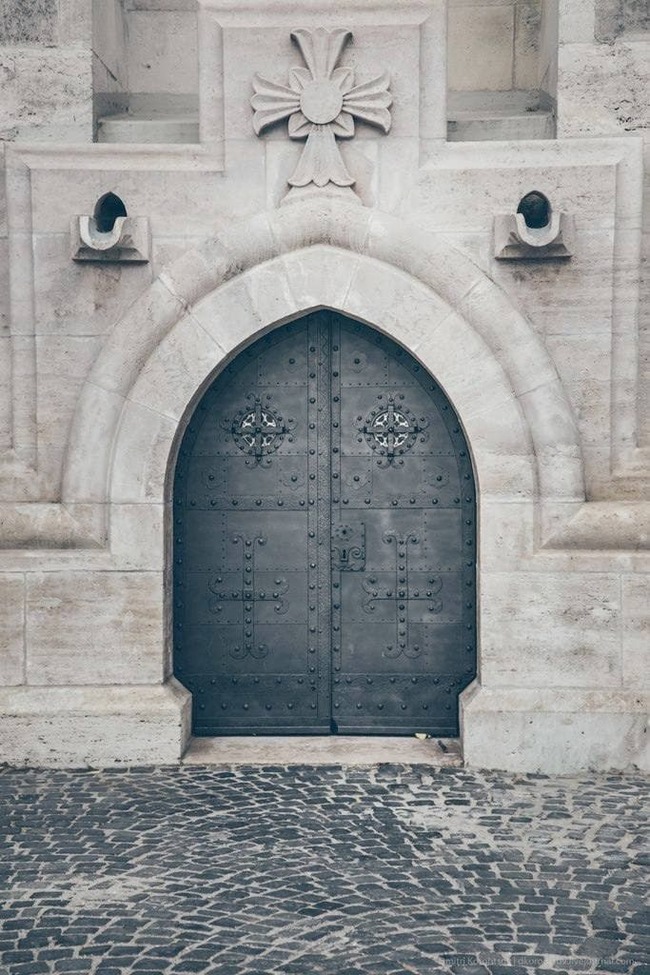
320, 177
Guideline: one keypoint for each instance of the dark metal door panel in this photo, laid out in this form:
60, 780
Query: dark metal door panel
403, 626
251, 513
324, 541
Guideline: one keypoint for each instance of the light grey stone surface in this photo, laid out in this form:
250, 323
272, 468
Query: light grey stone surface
332, 750
545, 361
25, 22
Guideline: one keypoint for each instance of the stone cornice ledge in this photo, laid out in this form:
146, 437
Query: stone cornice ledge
610, 525
107, 156
414, 10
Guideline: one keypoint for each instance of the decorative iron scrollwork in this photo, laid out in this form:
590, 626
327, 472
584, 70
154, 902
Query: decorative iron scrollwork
248, 595
349, 548
392, 428
402, 593
257, 428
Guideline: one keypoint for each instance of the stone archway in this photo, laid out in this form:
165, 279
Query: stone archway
278, 265
272, 269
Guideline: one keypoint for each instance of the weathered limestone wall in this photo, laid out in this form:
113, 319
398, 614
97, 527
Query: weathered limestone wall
605, 48
45, 71
101, 361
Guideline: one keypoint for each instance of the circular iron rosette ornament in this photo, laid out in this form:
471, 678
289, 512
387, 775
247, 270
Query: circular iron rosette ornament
258, 429
391, 429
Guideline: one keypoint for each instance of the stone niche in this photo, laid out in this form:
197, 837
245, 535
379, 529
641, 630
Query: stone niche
145, 71
502, 70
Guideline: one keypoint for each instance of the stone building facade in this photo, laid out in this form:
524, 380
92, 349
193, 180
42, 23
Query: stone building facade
181, 178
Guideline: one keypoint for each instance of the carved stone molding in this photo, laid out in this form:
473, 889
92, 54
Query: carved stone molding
128, 241
321, 104
514, 240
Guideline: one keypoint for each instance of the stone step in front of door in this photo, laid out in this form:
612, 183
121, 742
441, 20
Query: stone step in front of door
323, 750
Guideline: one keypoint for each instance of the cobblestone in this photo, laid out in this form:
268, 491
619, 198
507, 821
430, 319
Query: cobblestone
391, 870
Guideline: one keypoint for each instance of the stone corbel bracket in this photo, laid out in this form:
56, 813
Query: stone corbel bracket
128, 241
514, 240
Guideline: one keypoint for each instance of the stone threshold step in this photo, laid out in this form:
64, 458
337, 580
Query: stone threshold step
323, 750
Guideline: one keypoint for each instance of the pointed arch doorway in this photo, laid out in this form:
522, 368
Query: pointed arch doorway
324, 542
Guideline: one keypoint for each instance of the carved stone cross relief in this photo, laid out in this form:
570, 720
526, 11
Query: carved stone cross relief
321, 104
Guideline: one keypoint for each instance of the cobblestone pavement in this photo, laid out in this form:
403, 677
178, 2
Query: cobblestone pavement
390, 870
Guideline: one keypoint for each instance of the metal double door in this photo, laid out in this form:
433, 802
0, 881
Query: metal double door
324, 541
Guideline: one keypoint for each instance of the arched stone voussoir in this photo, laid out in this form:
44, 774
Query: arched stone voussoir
266, 271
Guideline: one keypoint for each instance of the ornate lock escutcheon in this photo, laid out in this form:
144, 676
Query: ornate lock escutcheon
349, 548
